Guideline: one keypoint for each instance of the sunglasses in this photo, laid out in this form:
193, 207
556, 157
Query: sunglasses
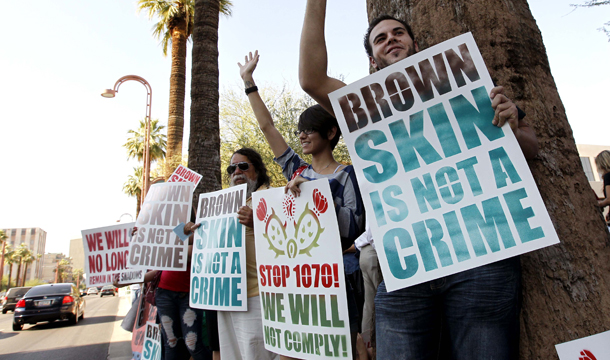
243, 166
306, 131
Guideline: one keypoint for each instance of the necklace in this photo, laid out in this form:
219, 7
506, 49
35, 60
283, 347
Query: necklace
324, 168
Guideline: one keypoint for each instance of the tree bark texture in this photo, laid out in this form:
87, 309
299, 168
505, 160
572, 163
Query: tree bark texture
177, 86
204, 141
566, 286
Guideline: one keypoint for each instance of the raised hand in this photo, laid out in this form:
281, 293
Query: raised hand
246, 70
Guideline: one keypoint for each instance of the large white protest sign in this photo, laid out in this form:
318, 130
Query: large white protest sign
445, 190
300, 273
218, 264
155, 245
151, 350
106, 253
184, 174
594, 347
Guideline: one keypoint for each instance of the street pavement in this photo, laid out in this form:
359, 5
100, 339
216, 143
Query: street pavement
98, 336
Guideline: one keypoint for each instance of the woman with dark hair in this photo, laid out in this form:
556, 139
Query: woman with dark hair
318, 132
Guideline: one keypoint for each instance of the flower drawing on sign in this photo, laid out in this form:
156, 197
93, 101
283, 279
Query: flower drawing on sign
307, 228
587, 355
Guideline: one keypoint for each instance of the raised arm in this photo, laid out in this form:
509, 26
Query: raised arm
265, 121
313, 61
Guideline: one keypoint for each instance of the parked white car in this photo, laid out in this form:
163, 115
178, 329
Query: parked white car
92, 290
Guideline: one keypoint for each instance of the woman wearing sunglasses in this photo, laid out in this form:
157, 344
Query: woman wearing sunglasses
318, 132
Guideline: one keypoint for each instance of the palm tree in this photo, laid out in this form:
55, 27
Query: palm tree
204, 141
27, 259
78, 273
133, 186
20, 253
9, 259
174, 28
135, 144
3, 238
567, 283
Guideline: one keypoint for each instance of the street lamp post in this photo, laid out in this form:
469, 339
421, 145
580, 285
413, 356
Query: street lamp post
108, 93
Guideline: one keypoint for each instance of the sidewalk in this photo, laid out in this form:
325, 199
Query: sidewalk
120, 342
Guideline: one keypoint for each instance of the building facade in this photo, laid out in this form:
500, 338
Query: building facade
77, 253
35, 239
50, 265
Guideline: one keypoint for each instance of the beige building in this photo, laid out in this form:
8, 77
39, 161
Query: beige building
35, 239
77, 253
50, 264
587, 155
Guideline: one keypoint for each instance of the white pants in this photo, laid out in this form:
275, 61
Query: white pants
241, 334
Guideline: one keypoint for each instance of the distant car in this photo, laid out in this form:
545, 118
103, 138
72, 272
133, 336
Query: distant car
82, 292
108, 290
13, 295
49, 303
92, 291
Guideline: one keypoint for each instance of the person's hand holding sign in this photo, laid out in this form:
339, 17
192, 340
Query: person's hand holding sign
506, 111
244, 214
293, 186
190, 228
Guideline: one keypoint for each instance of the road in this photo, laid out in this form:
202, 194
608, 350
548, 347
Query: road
89, 339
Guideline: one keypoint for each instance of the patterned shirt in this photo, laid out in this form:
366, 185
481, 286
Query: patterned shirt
345, 190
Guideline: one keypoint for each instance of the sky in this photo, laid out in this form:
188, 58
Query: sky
63, 164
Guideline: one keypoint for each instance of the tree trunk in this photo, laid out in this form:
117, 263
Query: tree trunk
25, 271
204, 141
177, 84
18, 274
10, 274
139, 198
2, 263
565, 286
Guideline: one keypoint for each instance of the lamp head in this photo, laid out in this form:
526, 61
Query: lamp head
109, 93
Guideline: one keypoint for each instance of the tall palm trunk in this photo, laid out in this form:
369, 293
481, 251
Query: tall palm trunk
565, 286
18, 274
177, 85
2, 263
25, 271
204, 141
10, 274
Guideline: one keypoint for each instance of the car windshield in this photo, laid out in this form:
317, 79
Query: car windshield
108, 287
49, 290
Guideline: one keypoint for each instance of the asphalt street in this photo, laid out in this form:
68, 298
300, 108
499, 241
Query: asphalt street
89, 339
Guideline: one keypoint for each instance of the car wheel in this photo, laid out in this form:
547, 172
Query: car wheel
74, 319
4, 311
17, 327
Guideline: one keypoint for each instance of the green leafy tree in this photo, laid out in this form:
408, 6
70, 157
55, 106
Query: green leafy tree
9, 259
77, 275
135, 143
594, 3
21, 253
239, 128
133, 186
62, 269
27, 259
174, 28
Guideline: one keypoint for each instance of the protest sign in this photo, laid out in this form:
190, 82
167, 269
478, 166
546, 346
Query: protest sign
184, 174
106, 253
594, 347
300, 273
155, 246
151, 350
218, 263
444, 189
131, 276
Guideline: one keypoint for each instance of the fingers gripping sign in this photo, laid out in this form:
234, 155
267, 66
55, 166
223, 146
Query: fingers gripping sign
293, 186
505, 109
244, 214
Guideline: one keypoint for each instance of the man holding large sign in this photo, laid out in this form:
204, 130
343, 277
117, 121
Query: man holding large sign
447, 189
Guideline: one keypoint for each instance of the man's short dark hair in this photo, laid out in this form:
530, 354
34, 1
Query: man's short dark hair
259, 166
375, 22
320, 120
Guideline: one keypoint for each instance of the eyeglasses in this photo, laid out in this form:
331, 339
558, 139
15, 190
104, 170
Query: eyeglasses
243, 166
306, 131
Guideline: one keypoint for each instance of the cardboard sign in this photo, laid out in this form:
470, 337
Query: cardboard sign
218, 263
444, 189
184, 174
594, 347
151, 350
155, 246
106, 253
132, 276
300, 273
